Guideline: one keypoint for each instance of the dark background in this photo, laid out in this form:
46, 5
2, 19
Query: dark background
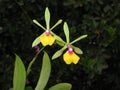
99, 67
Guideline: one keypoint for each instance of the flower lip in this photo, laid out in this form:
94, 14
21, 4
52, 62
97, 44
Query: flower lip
47, 32
70, 49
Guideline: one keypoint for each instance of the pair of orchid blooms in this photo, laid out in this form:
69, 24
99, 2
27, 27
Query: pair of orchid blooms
49, 37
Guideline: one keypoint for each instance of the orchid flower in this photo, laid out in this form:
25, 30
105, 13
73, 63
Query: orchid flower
47, 38
70, 55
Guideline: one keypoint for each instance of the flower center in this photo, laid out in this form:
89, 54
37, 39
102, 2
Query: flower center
47, 32
70, 50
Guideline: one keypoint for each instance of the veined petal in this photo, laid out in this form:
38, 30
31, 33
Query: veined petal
47, 40
70, 58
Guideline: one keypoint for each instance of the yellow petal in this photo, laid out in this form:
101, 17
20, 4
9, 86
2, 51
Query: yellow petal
47, 40
70, 58
67, 58
75, 58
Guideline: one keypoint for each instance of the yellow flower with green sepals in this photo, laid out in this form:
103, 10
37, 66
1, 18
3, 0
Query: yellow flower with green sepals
47, 38
70, 56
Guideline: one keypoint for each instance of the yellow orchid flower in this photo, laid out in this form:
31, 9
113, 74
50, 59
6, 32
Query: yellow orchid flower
70, 57
47, 38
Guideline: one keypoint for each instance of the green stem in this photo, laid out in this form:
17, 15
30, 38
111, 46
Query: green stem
33, 60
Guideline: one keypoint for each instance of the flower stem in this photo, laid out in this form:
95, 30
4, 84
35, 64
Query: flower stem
33, 60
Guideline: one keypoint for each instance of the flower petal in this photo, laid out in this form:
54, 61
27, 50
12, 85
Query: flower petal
75, 58
47, 40
51, 40
67, 58
70, 58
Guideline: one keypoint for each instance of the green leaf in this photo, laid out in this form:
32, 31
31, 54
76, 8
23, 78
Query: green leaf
59, 52
79, 38
61, 86
28, 88
37, 23
66, 31
77, 50
11, 89
45, 73
58, 22
19, 78
47, 18
109, 38
111, 31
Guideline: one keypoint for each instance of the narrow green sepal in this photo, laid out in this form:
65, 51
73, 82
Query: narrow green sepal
58, 38
36, 41
58, 22
37, 23
79, 38
77, 50
58, 53
47, 18
66, 31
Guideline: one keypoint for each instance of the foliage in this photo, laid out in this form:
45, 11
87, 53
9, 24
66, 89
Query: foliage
99, 65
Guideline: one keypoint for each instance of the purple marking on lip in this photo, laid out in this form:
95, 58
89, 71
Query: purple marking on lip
70, 50
47, 32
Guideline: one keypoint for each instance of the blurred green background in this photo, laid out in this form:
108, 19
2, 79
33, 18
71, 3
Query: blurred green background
99, 67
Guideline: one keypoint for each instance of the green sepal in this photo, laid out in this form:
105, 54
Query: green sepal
58, 22
78, 39
37, 23
60, 43
59, 52
58, 38
47, 18
66, 31
77, 50
36, 41
61, 86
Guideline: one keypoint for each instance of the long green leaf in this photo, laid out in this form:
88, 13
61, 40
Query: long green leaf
45, 73
59, 52
28, 88
19, 78
11, 89
66, 31
79, 38
61, 86
47, 18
